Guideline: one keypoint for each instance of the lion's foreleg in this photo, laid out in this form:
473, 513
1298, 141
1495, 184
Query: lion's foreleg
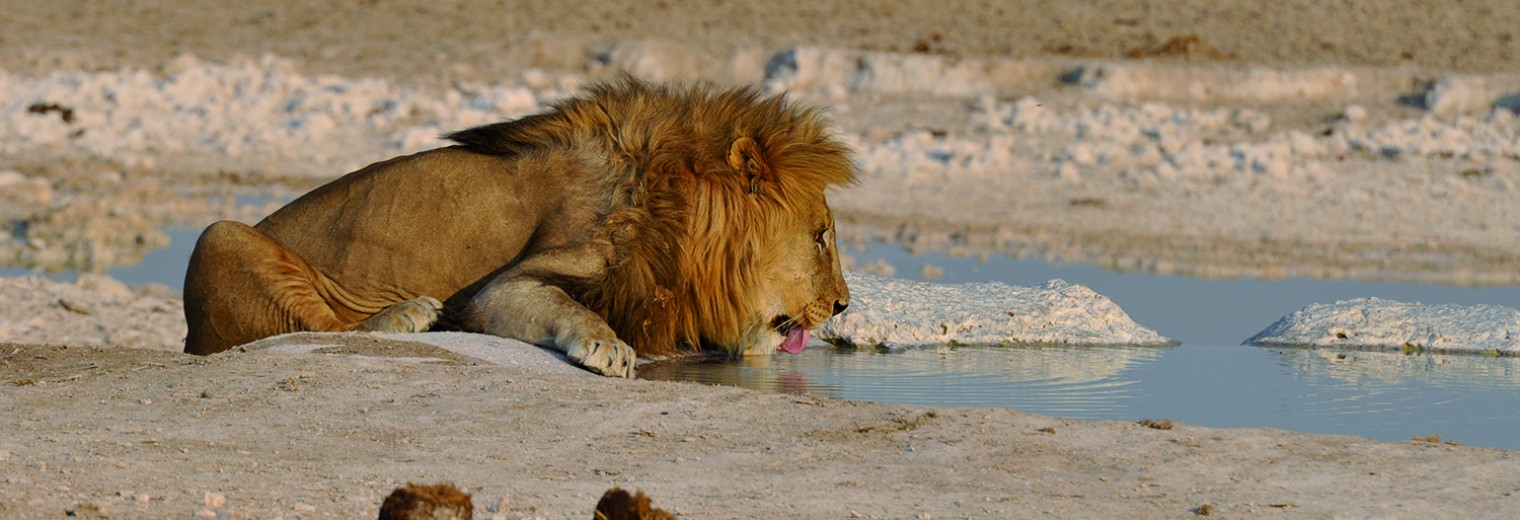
525, 308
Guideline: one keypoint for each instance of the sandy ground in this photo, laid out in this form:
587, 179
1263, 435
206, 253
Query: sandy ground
1143, 143
494, 41
141, 432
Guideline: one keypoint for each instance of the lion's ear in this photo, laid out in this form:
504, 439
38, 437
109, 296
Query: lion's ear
745, 156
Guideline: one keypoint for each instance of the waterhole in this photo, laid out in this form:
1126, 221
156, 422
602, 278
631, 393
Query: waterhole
1210, 379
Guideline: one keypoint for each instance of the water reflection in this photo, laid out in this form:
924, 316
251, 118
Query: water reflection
1393, 368
1388, 396
165, 265
1057, 379
755, 373
101, 232
1392, 396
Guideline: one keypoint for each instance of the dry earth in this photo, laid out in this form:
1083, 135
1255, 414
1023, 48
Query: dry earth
130, 433
492, 40
123, 432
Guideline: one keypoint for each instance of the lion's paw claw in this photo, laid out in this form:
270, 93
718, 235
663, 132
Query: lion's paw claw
611, 358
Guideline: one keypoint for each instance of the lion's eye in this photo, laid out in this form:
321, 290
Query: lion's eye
821, 238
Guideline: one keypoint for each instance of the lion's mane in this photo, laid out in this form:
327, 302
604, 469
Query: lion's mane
684, 224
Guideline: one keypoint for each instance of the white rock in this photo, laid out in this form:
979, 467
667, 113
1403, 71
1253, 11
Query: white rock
879, 267
893, 312
1378, 323
20, 192
1460, 94
103, 285
1355, 113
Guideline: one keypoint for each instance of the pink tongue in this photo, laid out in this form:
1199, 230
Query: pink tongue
795, 339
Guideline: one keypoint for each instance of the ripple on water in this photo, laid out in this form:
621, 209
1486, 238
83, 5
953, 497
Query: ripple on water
1382, 395
1063, 380
1353, 391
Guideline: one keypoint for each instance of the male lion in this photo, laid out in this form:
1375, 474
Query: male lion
634, 220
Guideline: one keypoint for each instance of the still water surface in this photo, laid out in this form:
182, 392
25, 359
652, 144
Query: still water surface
1209, 380
1389, 396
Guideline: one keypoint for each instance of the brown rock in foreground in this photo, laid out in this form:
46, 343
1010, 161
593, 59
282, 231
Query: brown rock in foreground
436, 502
617, 504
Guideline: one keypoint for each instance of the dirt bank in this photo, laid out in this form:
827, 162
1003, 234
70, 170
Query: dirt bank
139, 433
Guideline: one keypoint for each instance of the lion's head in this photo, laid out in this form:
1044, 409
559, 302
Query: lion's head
770, 249
723, 234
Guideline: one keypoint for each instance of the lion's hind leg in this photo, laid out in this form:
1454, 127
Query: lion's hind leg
414, 315
242, 286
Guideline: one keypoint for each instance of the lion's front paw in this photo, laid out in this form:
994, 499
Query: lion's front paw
414, 315
606, 356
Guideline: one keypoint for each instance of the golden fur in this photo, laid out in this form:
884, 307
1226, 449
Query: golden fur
679, 277
617, 504
424, 502
684, 217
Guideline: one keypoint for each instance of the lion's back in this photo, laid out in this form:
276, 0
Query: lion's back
426, 223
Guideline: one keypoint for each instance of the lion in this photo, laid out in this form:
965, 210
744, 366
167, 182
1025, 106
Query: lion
634, 220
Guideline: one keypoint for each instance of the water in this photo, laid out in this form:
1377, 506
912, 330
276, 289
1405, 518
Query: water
164, 266
1209, 380
1389, 396
1190, 310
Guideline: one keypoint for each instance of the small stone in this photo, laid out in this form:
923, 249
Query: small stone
74, 307
305, 508
1355, 113
103, 284
205, 513
89, 510
1068, 172
214, 500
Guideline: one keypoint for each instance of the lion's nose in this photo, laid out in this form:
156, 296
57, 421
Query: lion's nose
839, 306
